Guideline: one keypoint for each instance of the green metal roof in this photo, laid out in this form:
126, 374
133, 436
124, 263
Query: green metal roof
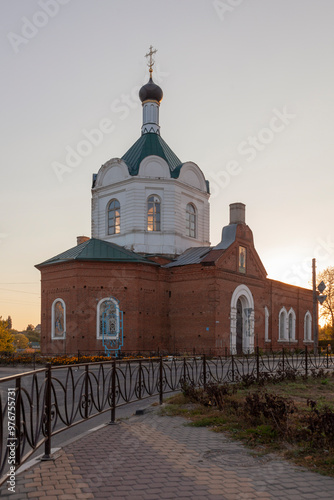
147, 145
97, 250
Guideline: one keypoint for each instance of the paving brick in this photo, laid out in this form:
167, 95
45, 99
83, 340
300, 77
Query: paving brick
153, 458
150, 496
35, 494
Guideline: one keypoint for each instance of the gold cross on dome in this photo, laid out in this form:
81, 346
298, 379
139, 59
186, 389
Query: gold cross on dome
151, 61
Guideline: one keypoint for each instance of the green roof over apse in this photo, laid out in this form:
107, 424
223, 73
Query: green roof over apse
96, 250
147, 145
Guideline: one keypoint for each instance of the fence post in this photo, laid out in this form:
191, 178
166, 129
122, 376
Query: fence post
160, 382
257, 363
283, 364
204, 370
18, 421
184, 371
113, 392
232, 356
47, 446
327, 356
86, 391
139, 381
306, 367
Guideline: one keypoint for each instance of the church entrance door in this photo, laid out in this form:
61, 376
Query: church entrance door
242, 321
239, 328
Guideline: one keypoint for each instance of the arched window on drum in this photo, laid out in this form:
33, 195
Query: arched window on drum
191, 220
114, 217
153, 213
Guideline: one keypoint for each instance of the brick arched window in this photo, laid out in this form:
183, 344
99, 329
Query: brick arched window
291, 325
58, 319
282, 328
107, 318
308, 327
266, 324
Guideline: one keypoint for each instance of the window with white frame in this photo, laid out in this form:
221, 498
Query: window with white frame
266, 324
114, 217
282, 328
58, 319
308, 327
153, 213
191, 220
291, 325
107, 318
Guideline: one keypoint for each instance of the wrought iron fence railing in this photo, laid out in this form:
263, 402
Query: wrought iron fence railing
36, 405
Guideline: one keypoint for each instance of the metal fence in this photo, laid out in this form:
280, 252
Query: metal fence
39, 404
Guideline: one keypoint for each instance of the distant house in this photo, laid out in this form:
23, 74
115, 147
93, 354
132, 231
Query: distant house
35, 345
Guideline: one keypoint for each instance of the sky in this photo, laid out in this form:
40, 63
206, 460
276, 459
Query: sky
248, 96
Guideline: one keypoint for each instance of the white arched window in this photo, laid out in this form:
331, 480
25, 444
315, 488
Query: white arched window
107, 318
308, 327
153, 213
58, 319
114, 217
266, 324
291, 325
283, 318
191, 220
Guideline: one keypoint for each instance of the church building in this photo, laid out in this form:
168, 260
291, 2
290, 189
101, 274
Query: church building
150, 262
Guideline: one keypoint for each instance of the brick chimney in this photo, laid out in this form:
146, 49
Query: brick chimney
237, 213
82, 239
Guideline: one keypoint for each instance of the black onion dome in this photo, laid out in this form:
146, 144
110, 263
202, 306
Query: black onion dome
150, 92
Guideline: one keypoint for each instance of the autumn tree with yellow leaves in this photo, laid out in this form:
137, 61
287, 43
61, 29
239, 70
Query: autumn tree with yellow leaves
6, 338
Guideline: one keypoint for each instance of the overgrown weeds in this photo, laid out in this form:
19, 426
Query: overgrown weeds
214, 395
294, 417
270, 408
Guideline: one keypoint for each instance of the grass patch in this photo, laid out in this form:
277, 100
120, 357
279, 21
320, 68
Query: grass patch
212, 421
294, 418
172, 410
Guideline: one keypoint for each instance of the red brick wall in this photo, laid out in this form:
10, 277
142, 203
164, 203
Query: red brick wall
180, 308
192, 308
138, 288
300, 299
201, 299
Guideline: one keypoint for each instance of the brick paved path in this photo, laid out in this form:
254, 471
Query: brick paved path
152, 457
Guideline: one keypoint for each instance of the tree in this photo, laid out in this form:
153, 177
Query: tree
9, 323
6, 338
33, 336
325, 332
21, 341
30, 328
326, 312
